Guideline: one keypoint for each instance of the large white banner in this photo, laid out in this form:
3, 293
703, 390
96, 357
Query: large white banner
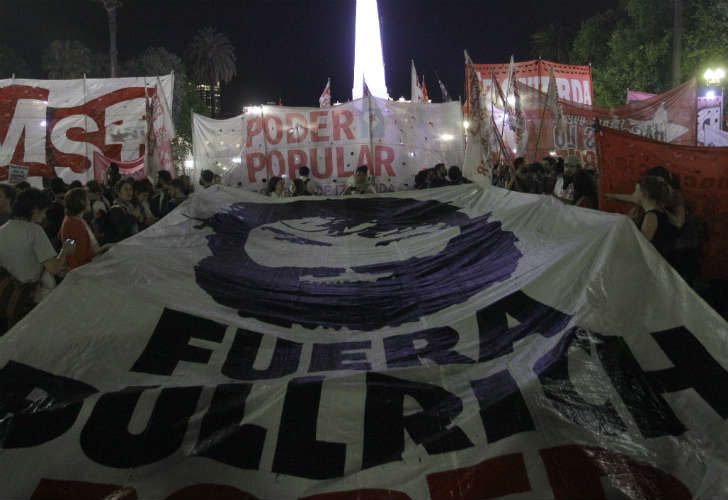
450, 343
55, 126
396, 140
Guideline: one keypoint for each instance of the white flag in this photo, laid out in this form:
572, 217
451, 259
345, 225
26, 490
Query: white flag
415, 88
325, 99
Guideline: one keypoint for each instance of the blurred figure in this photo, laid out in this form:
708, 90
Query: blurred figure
359, 182
276, 187
585, 190
206, 178
75, 229
7, 198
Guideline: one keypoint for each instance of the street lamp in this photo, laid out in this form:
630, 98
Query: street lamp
713, 77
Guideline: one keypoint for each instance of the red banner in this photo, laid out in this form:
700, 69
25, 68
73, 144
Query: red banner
703, 173
573, 83
669, 117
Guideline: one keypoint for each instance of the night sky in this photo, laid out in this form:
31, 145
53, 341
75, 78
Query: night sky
287, 48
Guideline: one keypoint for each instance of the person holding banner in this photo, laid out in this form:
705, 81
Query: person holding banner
276, 187
27, 257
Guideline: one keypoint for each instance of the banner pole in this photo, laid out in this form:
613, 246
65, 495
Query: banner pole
371, 140
540, 126
86, 126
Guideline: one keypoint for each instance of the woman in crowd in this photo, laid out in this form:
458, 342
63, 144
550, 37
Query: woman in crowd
77, 231
276, 187
143, 191
27, 258
299, 188
123, 218
653, 193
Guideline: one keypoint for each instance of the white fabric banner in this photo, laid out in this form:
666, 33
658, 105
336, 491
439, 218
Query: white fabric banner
448, 343
62, 123
715, 137
274, 140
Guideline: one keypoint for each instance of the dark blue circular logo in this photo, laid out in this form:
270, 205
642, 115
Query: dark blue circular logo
357, 263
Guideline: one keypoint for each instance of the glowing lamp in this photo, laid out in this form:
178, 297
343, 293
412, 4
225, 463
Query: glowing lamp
466, 124
714, 76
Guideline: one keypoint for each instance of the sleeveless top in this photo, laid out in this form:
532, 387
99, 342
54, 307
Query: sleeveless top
665, 235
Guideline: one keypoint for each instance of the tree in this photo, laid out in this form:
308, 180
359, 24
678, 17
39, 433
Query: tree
552, 43
111, 6
159, 61
591, 41
705, 36
12, 64
64, 59
212, 58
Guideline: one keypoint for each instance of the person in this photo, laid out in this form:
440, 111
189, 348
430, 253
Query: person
26, 253
439, 178
112, 176
421, 179
206, 178
564, 185
55, 212
160, 201
652, 194
359, 182
76, 230
276, 187
585, 190
187, 183
22, 186
455, 176
176, 193
122, 220
299, 188
143, 190
310, 186
7, 197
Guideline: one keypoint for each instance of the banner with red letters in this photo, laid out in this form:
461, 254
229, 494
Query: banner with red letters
394, 139
703, 174
573, 82
134, 169
54, 127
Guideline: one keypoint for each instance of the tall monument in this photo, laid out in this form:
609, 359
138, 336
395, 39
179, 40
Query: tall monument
368, 59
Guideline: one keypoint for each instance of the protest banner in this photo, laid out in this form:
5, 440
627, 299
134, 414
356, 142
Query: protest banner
54, 127
703, 174
394, 139
451, 343
17, 173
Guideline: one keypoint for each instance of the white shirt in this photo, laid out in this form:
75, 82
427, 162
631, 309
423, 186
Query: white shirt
24, 247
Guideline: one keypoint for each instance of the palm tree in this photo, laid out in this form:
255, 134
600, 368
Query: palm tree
67, 59
212, 58
111, 6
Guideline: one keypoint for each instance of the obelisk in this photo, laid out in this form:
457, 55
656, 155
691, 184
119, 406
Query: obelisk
368, 59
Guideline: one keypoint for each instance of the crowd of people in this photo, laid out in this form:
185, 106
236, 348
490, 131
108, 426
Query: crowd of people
46, 233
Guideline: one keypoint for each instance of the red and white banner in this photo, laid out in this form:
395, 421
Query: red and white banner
668, 117
573, 82
394, 139
134, 169
54, 127
703, 174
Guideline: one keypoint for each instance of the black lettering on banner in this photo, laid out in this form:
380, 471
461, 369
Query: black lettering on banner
401, 352
298, 452
385, 421
106, 439
694, 368
25, 423
170, 342
244, 351
339, 356
222, 438
496, 339
502, 408
650, 411
560, 390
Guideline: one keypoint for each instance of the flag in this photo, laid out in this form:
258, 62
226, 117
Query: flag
445, 95
477, 150
552, 101
366, 92
425, 97
325, 99
415, 88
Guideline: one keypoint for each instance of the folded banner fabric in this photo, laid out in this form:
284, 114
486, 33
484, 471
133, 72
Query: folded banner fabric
394, 139
453, 343
54, 127
703, 173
